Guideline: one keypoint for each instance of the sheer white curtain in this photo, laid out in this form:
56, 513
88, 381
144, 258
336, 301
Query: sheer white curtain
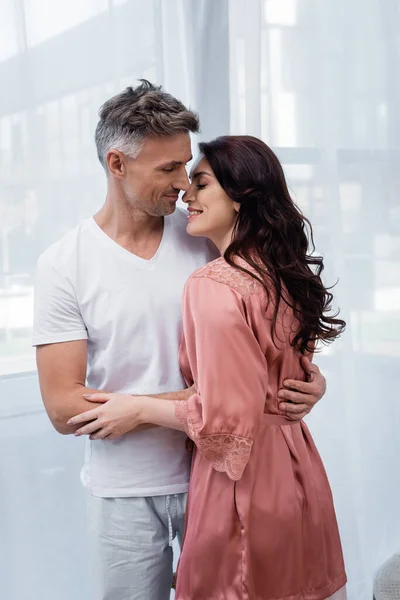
319, 81
316, 79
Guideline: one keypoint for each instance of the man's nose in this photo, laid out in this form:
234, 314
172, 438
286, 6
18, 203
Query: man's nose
183, 183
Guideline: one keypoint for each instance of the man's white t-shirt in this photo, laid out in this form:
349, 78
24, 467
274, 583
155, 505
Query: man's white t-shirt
129, 310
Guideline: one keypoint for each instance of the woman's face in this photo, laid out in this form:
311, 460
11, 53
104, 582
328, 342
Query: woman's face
212, 213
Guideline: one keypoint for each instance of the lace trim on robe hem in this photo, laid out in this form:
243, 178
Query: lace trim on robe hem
228, 453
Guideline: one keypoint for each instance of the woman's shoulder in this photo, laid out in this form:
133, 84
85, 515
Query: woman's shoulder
222, 272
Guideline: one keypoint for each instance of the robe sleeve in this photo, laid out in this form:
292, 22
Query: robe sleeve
230, 372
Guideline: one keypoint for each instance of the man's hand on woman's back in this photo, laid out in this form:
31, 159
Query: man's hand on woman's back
297, 397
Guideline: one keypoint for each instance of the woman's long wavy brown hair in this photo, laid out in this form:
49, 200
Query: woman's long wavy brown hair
271, 235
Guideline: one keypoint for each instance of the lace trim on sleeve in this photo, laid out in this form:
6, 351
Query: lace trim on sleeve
227, 453
181, 412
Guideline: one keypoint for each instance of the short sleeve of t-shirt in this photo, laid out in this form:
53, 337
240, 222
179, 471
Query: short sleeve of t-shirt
57, 317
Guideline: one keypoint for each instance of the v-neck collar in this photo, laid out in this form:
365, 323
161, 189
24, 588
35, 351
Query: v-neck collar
142, 263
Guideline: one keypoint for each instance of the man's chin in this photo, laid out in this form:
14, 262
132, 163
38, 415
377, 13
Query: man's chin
168, 209
163, 209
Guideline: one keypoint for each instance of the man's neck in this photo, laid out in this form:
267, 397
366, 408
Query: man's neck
122, 222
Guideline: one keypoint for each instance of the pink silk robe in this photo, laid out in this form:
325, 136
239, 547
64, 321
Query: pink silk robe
260, 521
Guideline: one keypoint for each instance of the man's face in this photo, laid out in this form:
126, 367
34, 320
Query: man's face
153, 180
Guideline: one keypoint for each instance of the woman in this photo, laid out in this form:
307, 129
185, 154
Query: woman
260, 519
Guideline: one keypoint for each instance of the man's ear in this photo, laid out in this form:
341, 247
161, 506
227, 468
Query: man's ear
116, 163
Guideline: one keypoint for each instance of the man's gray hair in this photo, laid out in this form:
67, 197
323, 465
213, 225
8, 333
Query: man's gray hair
136, 113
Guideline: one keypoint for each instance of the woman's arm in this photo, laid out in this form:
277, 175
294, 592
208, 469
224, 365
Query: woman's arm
121, 413
161, 412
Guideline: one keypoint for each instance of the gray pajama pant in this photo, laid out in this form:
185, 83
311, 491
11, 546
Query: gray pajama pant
132, 545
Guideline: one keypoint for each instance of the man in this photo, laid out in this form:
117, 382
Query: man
107, 311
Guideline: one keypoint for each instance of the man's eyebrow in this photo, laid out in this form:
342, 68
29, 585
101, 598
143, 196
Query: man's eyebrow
176, 163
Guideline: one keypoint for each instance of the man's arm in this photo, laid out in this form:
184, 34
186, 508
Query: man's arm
62, 376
